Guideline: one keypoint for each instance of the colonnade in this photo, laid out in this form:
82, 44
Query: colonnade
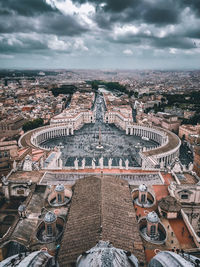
158, 158
168, 157
51, 132
148, 132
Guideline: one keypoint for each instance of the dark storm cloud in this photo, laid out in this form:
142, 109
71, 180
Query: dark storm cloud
159, 12
61, 25
36, 16
56, 24
143, 26
27, 7
193, 4
119, 5
21, 45
111, 5
172, 41
12, 24
193, 33
161, 16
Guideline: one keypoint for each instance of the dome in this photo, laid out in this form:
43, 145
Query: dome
168, 258
104, 254
50, 217
143, 188
33, 259
152, 217
22, 208
59, 188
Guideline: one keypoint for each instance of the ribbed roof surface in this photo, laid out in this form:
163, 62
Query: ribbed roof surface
104, 254
101, 209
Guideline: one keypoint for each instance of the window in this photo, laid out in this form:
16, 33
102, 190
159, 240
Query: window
143, 198
20, 192
6, 154
184, 196
59, 198
49, 230
153, 230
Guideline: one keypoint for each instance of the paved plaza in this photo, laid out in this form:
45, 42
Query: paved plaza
117, 146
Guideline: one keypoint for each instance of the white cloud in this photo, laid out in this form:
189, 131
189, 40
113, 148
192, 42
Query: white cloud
79, 45
14, 41
127, 29
172, 50
55, 44
83, 12
68, 7
128, 52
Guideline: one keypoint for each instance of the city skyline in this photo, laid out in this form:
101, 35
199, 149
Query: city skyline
79, 34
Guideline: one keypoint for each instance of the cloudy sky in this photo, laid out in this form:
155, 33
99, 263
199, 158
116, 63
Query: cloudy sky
128, 34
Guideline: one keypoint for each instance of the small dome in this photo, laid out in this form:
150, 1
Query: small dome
143, 188
22, 208
50, 217
168, 258
35, 258
59, 188
152, 217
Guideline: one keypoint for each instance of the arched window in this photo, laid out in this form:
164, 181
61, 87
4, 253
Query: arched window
153, 230
143, 198
59, 198
184, 196
49, 230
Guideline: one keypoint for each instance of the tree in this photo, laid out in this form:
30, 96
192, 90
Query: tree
155, 107
130, 93
30, 125
136, 94
94, 85
163, 100
183, 137
64, 89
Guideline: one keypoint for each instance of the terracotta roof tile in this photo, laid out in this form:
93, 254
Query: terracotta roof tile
101, 209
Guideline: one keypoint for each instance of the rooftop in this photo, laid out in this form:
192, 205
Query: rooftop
173, 141
169, 204
101, 209
23, 176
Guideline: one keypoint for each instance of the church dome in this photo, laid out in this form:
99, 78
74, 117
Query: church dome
104, 254
50, 217
59, 188
152, 217
168, 258
143, 188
